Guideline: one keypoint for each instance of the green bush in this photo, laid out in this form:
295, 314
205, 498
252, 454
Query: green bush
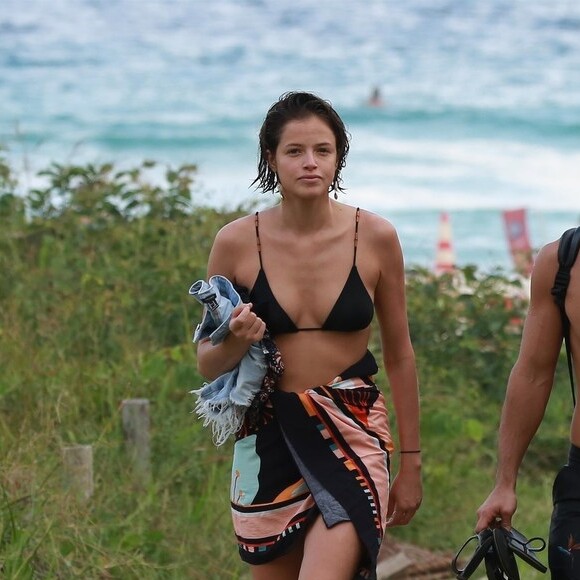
94, 309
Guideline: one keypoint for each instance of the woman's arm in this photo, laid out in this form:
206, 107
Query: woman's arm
399, 359
245, 327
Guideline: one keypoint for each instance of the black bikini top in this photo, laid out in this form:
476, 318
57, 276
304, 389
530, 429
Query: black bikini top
352, 311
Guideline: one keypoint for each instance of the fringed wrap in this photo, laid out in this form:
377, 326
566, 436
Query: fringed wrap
223, 403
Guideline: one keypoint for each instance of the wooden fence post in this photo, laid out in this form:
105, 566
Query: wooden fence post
136, 423
78, 470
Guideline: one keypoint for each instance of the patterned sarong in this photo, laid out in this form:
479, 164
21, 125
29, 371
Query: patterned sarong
325, 451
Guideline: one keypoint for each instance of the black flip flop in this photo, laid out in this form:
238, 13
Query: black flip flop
493, 569
525, 549
505, 556
498, 548
484, 545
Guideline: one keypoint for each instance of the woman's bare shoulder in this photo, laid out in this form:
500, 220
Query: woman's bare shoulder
377, 228
236, 231
231, 245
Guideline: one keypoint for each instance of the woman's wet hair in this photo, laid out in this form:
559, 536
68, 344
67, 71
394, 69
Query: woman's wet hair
294, 106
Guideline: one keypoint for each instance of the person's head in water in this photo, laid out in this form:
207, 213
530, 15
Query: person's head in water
376, 100
297, 106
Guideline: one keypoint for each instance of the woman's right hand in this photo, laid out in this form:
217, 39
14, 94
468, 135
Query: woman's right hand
245, 325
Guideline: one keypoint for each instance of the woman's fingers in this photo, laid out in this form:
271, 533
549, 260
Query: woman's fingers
245, 324
401, 517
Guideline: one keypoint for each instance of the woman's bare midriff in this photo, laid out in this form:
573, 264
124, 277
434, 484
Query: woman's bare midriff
316, 357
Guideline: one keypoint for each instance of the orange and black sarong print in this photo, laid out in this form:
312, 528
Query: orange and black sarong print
324, 451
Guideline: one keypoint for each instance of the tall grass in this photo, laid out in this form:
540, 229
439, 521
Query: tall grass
94, 309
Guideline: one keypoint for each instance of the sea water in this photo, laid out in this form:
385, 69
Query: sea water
481, 107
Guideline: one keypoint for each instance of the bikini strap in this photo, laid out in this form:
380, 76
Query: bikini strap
356, 235
258, 243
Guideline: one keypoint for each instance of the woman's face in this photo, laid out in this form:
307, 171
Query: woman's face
306, 158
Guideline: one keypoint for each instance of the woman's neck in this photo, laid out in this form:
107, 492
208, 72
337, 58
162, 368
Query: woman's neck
309, 216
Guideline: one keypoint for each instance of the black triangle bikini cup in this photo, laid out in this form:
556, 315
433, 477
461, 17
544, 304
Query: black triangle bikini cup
352, 311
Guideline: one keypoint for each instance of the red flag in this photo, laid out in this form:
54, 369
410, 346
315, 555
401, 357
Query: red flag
516, 228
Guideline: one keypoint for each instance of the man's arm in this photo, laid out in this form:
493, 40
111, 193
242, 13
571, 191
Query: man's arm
528, 391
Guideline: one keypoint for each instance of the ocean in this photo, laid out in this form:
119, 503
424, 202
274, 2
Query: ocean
481, 98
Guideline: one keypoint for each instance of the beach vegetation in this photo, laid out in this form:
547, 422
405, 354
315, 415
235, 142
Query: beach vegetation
96, 263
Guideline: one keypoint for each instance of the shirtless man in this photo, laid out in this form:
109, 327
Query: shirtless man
528, 391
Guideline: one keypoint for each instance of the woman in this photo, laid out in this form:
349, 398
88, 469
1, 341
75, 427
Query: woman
311, 492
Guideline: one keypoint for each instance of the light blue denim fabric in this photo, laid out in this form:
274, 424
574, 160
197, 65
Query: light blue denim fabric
219, 298
223, 402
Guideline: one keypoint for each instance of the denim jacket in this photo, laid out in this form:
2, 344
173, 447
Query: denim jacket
223, 402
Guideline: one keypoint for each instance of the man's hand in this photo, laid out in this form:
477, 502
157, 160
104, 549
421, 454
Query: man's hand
497, 510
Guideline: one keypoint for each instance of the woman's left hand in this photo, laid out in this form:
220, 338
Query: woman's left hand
405, 497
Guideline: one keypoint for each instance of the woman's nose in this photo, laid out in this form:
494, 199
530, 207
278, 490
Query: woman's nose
309, 159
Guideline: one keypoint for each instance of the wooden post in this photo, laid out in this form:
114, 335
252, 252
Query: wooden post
78, 470
135, 417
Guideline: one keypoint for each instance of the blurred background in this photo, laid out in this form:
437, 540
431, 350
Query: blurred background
477, 108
